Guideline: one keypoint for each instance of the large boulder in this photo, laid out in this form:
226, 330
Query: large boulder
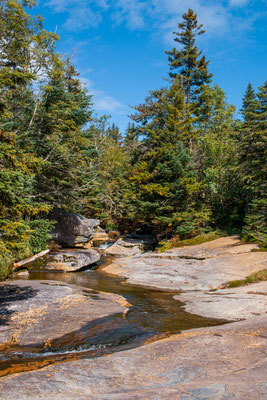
128, 247
72, 260
71, 229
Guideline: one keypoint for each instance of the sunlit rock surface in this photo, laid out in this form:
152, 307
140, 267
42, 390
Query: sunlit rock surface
215, 363
72, 260
194, 268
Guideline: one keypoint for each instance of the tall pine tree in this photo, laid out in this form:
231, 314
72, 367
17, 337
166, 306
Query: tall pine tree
186, 62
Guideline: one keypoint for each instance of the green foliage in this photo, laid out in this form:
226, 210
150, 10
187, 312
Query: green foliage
216, 161
6, 262
255, 228
41, 143
40, 236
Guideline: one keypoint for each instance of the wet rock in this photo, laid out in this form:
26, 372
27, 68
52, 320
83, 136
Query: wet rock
72, 260
128, 247
71, 229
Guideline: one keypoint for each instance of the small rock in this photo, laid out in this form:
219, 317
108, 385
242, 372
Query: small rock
127, 247
72, 260
114, 235
100, 237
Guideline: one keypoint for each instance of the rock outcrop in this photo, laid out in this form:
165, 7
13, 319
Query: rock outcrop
215, 363
194, 268
72, 260
71, 229
219, 363
128, 247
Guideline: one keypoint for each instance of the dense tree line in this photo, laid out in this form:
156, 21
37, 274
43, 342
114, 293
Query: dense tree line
184, 166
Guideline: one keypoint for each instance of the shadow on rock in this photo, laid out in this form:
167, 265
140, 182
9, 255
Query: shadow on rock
10, 294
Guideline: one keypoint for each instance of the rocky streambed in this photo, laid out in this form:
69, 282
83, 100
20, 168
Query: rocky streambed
94, 335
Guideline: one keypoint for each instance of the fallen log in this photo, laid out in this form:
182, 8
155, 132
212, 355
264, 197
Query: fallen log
30, 259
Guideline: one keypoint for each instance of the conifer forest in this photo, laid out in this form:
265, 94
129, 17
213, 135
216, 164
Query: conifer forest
186, 165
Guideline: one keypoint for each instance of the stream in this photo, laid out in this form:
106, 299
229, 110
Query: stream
153, 315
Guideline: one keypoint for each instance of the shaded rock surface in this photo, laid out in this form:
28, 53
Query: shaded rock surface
71, 229
72, 260
193, 268
128, 247
221, 363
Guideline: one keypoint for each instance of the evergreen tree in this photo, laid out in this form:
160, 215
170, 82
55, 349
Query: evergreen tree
249, 104
59, 139
216, 162
253, 161
253, 141
26, 48
114, 133
186, 63
164, 185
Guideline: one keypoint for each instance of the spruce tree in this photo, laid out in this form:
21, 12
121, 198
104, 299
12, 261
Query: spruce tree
253, 140
163, 183
253, 145
59, 138
26, 48
249, 104
186, 63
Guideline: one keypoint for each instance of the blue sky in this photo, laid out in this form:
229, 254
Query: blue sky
118, 45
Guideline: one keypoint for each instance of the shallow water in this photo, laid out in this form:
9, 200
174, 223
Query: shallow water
153, 314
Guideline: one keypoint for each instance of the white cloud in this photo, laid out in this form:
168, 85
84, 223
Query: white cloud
102, 100
82, 18
82, 14
159, 16
132, 13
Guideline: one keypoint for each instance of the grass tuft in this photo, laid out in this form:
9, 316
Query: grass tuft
176, 242
252, 278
